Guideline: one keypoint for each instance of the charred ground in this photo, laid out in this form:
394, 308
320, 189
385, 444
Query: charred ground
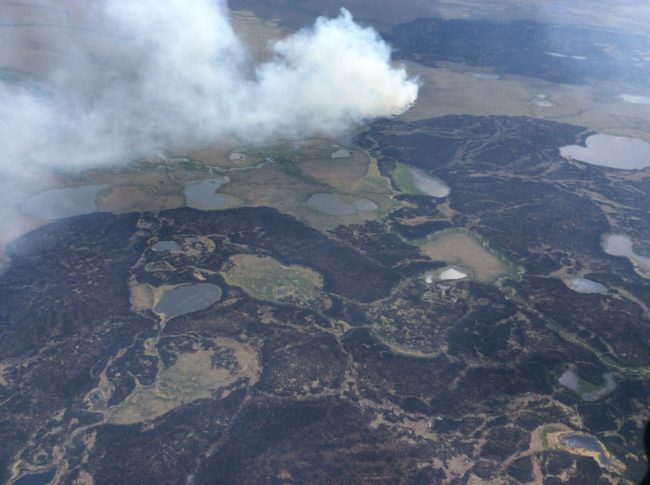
386, 378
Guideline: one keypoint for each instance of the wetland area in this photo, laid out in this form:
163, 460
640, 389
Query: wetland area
463, 249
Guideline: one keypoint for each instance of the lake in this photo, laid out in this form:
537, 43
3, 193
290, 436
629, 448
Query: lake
203, 195
187, 299
170, 246
621, 245
586, 442
333, 205
587, 391
429, 185
60, 203
584, 285
611, 151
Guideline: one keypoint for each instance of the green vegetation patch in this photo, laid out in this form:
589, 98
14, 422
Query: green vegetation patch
547, 429
267, 279
404, 179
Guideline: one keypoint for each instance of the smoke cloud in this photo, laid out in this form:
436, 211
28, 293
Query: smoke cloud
181, 77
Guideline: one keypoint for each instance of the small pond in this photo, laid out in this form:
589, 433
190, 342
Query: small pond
584, 285
187, 299
621, 245
169, 246
429, 185
587, 391
203, 195
586, 442
333, 205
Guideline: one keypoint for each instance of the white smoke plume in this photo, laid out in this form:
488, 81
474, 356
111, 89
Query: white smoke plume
181, 77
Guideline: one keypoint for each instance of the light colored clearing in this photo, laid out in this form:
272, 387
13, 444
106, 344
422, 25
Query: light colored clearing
141, 295
583, 285
265, 278
451, 89
287, 185
632, 99
220, 155
415, 221
197, 246
539, 436
611, 151
47, 35
268, 186
143, 187
193, 376
344, 174
257, 34
458, 465
462, 249
131, 198
84, 478
411, 423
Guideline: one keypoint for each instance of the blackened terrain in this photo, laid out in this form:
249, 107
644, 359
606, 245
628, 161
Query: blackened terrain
526, 48
388, 379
